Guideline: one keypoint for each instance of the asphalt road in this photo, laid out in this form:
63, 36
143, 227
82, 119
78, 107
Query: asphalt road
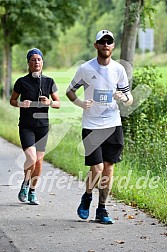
54, 226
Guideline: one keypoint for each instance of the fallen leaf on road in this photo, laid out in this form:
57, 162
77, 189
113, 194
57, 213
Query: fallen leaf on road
144, 237
120, 242
131, 217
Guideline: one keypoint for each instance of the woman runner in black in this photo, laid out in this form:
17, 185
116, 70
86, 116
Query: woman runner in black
34, 90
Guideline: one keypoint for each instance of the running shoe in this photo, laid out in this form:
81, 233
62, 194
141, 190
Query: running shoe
23, 194
83, 209
32, 198
103, 217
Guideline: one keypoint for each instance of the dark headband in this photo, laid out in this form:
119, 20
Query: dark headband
33, 51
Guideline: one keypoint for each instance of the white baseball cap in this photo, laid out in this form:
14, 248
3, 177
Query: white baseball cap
103, 33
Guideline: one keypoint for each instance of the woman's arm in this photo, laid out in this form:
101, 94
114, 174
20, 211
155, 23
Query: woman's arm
13, 99
55, 102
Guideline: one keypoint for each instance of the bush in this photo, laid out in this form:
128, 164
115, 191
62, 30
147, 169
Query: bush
145, 129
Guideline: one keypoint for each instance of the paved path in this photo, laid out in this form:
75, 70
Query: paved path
54, 226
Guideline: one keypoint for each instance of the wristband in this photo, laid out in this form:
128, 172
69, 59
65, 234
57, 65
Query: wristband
78, 102
51, 102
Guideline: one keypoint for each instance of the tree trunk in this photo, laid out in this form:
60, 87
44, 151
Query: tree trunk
131, 24
7, 69
7, 57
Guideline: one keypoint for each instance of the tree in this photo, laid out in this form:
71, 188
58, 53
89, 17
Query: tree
91, 13
32, 22
135, 15
131, 24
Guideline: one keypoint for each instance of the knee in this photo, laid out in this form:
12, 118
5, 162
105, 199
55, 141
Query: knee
31, 159
108, 169
98, 169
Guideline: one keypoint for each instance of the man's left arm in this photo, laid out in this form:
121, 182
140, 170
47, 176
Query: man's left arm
123, 93
126, 98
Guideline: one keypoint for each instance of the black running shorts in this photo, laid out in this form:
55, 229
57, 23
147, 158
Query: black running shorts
102, 145
34, 136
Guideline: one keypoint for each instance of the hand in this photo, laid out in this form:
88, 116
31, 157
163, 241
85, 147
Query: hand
83, 104
119, 96
87, 104
24, 104
44, 100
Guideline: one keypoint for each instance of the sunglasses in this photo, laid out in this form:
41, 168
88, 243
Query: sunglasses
103, 41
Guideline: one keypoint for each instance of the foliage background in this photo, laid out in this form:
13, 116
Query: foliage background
75, 44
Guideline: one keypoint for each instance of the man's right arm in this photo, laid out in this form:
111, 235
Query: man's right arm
73, 98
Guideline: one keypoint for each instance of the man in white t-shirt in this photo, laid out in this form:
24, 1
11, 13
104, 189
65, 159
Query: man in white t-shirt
105, 82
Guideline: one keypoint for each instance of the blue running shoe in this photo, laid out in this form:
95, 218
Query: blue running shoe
83, 209
103, 217
32, 198
23, 194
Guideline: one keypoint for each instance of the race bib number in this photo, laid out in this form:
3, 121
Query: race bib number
103, 96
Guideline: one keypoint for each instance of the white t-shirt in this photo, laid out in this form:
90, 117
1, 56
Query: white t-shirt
100, 83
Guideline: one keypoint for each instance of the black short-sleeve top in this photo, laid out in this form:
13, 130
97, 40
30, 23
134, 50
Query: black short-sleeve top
29, 89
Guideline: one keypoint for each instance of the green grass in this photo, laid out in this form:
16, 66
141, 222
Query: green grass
9, 121
156, 60
144, 189
66, 154
163, 80
150, 59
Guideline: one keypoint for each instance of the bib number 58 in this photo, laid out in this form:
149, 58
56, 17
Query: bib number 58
103, 98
